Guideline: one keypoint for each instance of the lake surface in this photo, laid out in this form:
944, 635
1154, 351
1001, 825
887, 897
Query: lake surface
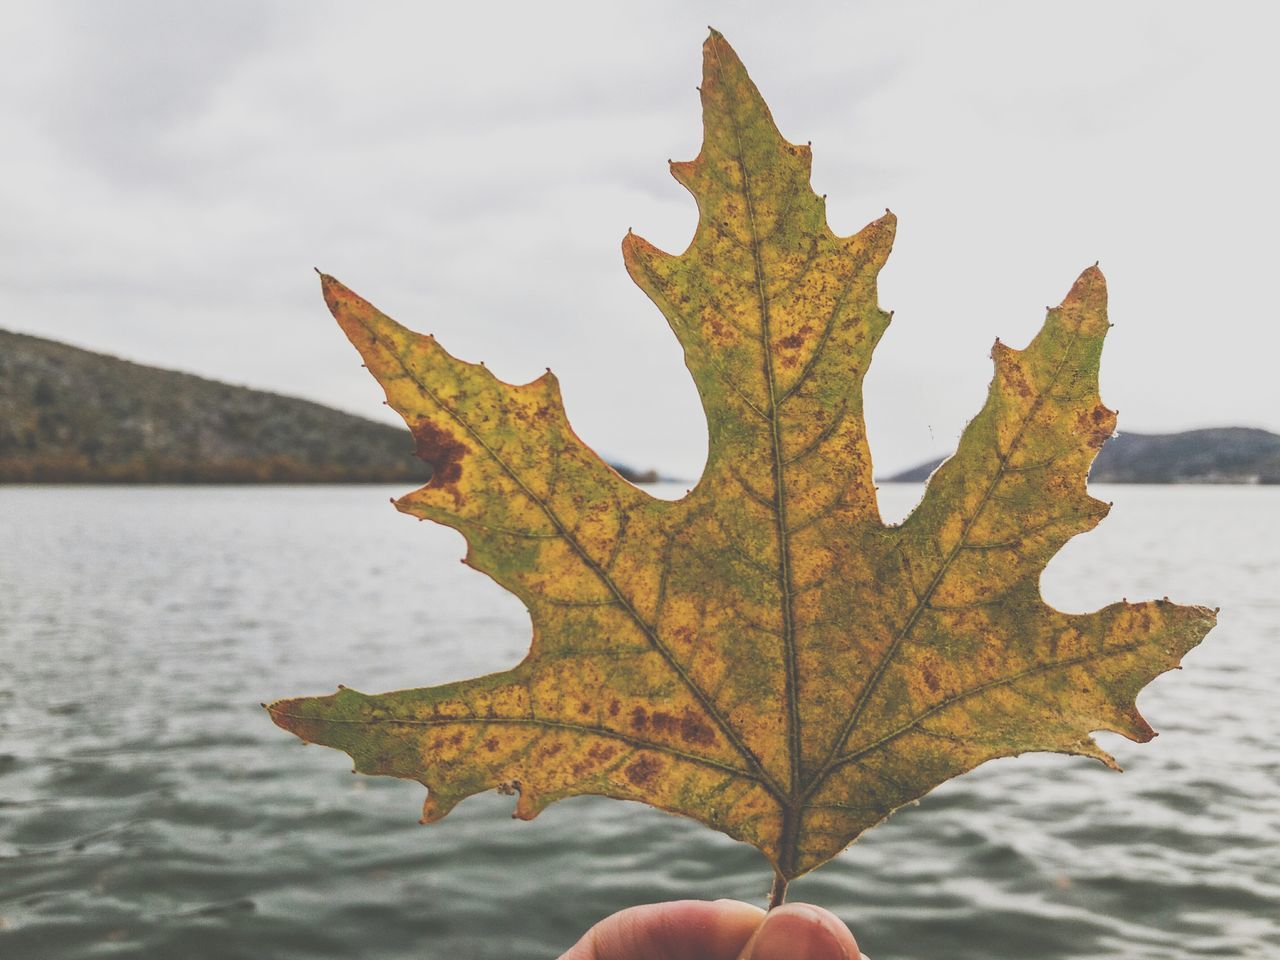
149, 808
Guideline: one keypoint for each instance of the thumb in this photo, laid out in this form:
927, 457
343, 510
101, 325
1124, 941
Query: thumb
801, 931
680, 930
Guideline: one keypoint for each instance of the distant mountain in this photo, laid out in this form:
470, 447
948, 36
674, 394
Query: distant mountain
73, 416
1216, 455
70, 415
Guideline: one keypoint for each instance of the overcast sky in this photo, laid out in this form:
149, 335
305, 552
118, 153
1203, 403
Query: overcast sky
172, 171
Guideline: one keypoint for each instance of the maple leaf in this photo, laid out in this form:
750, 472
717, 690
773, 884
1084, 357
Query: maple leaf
764, 655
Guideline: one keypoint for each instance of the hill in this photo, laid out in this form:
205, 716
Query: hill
1215, 455
69, 415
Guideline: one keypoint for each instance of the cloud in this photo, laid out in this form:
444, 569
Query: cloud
176, 170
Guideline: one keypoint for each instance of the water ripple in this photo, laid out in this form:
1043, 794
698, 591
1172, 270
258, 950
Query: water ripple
148, 809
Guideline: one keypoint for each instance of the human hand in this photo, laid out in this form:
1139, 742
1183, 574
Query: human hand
723, 930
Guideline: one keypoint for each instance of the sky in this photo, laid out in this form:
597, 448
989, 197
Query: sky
172, 172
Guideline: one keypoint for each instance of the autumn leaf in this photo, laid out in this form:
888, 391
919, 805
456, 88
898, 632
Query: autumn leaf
764, 655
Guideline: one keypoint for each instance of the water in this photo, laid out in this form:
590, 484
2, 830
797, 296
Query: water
148, 808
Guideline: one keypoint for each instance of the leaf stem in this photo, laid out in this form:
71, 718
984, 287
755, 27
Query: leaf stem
778, 892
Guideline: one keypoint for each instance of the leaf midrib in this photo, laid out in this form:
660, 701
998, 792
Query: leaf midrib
785, 580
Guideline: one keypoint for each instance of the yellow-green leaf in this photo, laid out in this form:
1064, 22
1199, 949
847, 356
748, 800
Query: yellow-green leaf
764, 655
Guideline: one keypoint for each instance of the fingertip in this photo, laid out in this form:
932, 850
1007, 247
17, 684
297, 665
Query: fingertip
678, 930
802, 930
738, 908
701, 930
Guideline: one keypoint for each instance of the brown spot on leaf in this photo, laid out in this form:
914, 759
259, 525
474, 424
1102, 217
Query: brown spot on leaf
930, 678
1013, 376
614, 707
596, 757
791, 342
602, 753
1097, 425
491, 744
689, 727
440, 450
550, 750
639, 719
642, 770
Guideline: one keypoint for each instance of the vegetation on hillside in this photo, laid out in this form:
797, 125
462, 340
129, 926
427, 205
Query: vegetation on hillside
70, 415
